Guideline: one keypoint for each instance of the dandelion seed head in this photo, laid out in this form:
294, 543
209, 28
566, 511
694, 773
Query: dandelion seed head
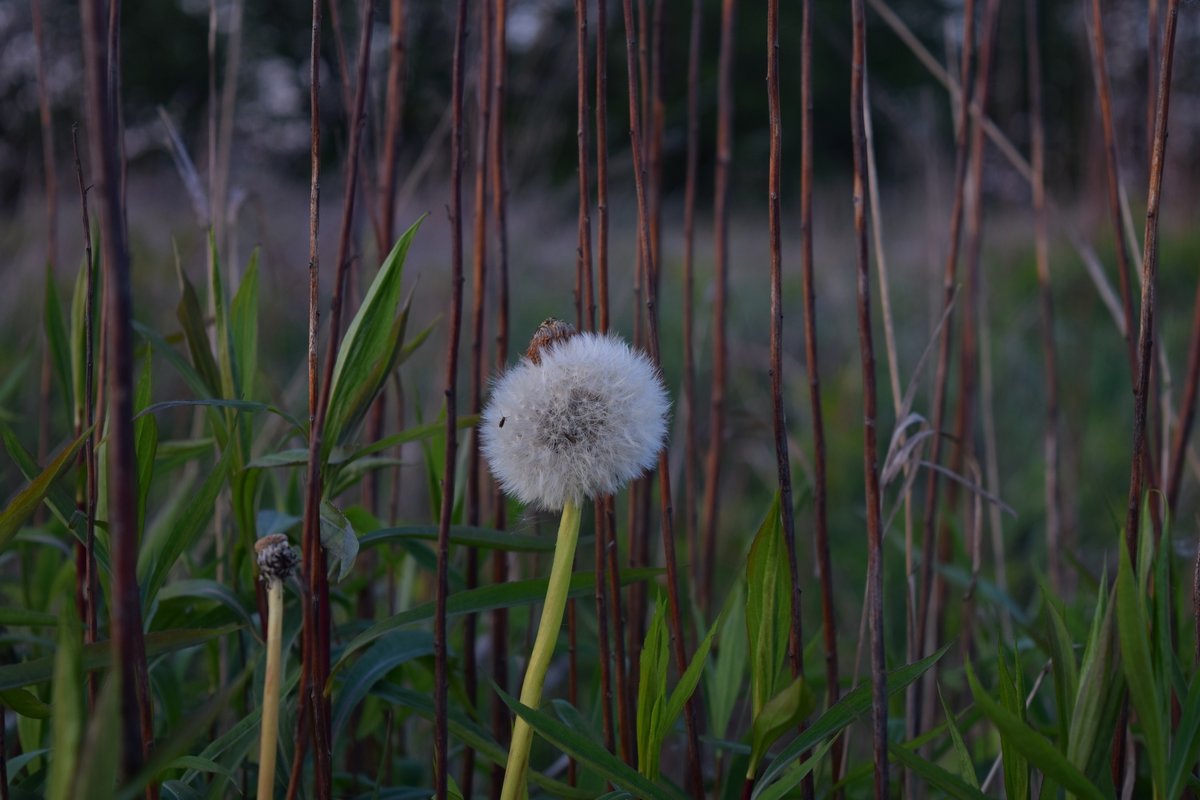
276, 558
583, 414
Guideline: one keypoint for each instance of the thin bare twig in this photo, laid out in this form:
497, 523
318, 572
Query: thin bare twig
694, 774
820, 493
1037, 141
1149, 275
128, 644
478, 368
870, 456
501, 721
690, 455
441, 658
721, 281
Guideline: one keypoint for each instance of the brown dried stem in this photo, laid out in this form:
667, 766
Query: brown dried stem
501, 721
602, 162
695, 779
441, 659
690, 455
870, 457
1149, 276
90, 624
478, 367
721, 282
941, 376
588, 318
1037, 141
128, 644
820, 496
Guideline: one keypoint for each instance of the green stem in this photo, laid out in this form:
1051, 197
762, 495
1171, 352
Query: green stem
543, 650
269, 735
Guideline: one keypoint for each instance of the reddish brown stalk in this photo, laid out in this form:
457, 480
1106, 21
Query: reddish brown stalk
712, 473
113, 87
393, 113
870, 465
1149, 276
317, 634
90, 625
3, 757
1112, 173
941, 377
1153, 29
694, 775
1187, 410
625, 717
690, 456
656, 121
501, 721
782, 461
820, 497
602, 640
479, 368
128, 644
441, 659
311, 553
1037, 141
602, 163
49, 173
588, 319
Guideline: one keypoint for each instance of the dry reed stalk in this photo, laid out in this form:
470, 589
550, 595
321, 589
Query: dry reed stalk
602, 638
695, 781
602, 162
113, 87
690, 456
3, 757
721, 282
501, 719
588, 319
870, 456
311, 554
393, 118
1153, 31
779, 423
1037, 139
91, 589
478, 368
316, 657
50, 182
655, 122
1112, 174
1187, 411
942, 374
1149, 275
820, 493
128, 644
441, 658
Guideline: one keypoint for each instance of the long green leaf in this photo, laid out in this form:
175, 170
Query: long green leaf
852, 705
1187, 741
485, 598
98, 655
1012, 699
652, 691
1144, 687
587, 752
97, 775
768, 593
780, 714
158, 557
371, 344
26, 501
204, 589
463, 535
388, 653
966, 769
243, 324
68, 705
1015, 733
947, 782
195, 334
58, 342
1097, 678
25, 703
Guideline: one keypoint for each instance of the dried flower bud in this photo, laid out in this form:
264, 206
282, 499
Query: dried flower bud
582, 419
551, 332
276, 558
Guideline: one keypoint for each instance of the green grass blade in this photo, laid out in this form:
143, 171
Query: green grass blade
204, 589
388, 653
26, 501
58, 341
97, 775
98, 655
1012, 699
781, 713
768, 593
1187, 741
462, 535
652, 691
195, 334
1040, 752
852, 705
947, 783
1097, 679
69, 711
485, 598
1144, 692
587, 752
966, 768
243, 325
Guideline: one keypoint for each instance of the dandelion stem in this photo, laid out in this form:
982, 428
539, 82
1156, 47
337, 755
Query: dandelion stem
543, 649
270, 709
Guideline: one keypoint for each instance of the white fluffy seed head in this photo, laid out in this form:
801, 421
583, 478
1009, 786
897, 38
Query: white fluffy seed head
588, 416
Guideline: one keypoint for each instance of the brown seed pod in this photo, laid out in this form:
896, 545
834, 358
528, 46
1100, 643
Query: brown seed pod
276, 558
550, 332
